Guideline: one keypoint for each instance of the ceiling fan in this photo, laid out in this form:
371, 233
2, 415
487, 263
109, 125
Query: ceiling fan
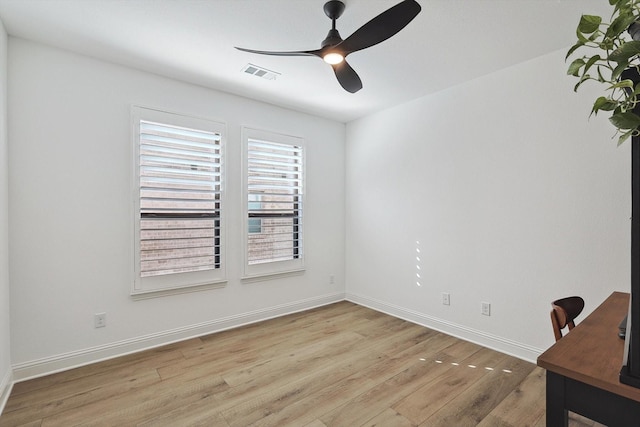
334, 49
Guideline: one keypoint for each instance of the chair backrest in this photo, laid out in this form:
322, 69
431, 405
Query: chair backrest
563, 313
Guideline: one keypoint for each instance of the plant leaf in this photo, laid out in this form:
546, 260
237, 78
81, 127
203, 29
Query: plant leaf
589, 24
603, 104
619, 69
574, 67
625, 51
621, 5
581, 37
583, 79
622, 84
590, 62
625, 136
576, 46
626, 120
620, 25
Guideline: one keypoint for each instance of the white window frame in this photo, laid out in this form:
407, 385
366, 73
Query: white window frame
274, 268
145, 287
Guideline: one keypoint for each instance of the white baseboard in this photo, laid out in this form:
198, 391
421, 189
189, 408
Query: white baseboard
513, 348
63, 362
6, 384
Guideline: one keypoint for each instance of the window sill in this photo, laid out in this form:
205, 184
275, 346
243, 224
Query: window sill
271, 276
141, 294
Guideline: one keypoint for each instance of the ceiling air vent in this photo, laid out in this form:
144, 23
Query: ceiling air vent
260, 72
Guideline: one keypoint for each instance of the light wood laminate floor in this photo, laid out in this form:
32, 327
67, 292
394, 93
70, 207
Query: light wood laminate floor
339, 365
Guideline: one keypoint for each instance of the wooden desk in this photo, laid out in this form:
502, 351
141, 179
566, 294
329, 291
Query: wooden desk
583, 370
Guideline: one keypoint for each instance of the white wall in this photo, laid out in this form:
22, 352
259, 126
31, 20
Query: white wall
507, 190
5, 333
510, 194
70, 204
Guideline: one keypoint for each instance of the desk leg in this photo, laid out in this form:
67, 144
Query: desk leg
557, 414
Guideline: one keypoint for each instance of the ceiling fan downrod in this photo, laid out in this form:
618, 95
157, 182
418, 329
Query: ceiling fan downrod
333, 9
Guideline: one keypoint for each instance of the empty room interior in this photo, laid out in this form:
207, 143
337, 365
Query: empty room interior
462, 188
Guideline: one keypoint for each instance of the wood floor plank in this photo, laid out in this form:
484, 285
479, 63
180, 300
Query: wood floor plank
292, 392
388, 418
288, 328
387, 393
318, 403
138, 405
193, 415
304, 410
150, 358
523, 407
342, 362
434, 395
325, 358
202, 410
318, 332
50, 401
341, 365
424, 347
67, 389
294, 361
474, 403
268, 393
230, 351
220, 362
250, 344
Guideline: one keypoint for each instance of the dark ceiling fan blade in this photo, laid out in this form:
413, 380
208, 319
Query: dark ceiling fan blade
292, 53
347, 77
382, 27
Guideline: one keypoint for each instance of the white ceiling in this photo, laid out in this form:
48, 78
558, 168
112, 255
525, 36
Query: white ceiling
449, 42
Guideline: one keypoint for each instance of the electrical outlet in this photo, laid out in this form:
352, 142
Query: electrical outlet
486, 309
100, 320
332, 279
446, 298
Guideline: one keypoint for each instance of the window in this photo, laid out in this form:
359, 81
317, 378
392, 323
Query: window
274, 191
179, 201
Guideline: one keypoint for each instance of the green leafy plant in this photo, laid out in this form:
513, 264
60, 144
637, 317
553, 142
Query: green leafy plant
614, 61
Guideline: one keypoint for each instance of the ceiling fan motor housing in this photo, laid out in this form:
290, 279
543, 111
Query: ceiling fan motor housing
333, 38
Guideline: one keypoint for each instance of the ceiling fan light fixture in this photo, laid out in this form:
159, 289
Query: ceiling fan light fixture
333, 58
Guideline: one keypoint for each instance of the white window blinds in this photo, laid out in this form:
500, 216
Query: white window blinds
180, 196
274, 201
